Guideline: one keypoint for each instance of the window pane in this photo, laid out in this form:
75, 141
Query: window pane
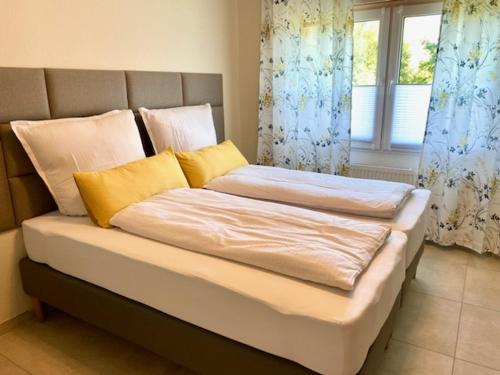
412, 94
364, 92
364, 106
409, 115
418, 51
365, 48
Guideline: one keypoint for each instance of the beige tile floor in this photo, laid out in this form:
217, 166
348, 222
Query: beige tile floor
449, 324
450, 321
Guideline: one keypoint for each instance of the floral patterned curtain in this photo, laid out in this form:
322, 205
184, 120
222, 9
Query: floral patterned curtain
461, 155
305, 84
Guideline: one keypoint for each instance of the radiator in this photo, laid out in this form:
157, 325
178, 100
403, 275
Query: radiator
408, 176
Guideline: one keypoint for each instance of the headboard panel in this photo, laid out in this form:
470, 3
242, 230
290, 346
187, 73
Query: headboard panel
201, 89
154, 90
39, 94
78, 93
23, 95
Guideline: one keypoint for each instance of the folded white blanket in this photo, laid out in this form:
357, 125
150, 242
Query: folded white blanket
289, 240
356, 196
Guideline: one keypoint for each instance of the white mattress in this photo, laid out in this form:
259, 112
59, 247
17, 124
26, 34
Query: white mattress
411, 219
325, 329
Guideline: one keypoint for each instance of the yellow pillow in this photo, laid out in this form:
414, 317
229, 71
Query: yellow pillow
209, 162
107, 192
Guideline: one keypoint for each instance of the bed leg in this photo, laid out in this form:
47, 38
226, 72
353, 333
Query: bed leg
39, 310
388, 342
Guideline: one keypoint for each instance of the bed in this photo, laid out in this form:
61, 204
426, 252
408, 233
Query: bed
71, 264
323, 328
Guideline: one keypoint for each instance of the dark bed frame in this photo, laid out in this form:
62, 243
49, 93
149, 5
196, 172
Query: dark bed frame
193, 347
38, 94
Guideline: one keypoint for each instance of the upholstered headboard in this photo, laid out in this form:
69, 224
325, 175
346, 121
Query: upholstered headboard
39, 94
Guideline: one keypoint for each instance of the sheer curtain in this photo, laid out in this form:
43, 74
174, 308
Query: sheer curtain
461, 154
305, 84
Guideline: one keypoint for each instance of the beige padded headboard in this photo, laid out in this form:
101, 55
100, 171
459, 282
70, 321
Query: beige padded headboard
39, 94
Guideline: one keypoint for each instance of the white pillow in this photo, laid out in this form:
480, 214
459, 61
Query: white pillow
182, 128
57, 148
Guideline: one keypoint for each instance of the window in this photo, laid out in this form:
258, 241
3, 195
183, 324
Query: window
394, 58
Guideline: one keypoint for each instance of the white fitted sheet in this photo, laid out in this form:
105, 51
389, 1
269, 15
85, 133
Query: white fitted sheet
325, 329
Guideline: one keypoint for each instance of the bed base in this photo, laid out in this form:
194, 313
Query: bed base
411, 272
186, 344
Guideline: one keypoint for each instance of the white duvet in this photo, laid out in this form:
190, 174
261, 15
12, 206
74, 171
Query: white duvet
288, 240
357, 196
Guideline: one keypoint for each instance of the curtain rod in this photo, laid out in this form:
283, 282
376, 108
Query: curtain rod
374, 4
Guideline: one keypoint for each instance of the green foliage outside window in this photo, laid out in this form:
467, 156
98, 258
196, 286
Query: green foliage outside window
424, 72
365, 39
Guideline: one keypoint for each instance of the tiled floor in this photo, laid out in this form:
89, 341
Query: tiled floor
450, 321
449, 324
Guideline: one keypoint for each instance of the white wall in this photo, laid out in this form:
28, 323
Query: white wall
165, 35
392, 159
13, 301
248, 64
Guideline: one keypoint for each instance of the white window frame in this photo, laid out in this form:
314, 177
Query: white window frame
388, 65
383, 16
397, 24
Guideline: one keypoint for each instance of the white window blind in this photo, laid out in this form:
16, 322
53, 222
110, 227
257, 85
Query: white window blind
409, 114
364, 104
